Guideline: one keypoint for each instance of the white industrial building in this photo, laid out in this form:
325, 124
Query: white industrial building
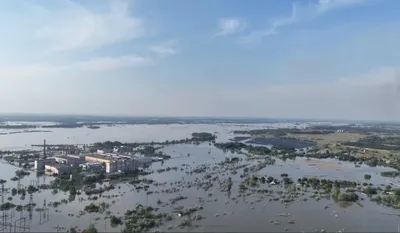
57, 168
114, 162
94, 162
121, 165
50, 165
92, 166
40, 163
74, 160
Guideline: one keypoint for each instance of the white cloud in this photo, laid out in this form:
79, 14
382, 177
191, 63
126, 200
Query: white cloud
163, 50
276, 24
169, 48
37, 33
375, 78
299, 14
73, 27
110, 63
327, 5
92, 65
67, 77
230, 26
371, 96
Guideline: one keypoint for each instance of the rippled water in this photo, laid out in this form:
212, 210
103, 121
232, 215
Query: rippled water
240, 216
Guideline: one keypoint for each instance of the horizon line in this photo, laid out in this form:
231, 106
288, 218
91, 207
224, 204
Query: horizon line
196, 117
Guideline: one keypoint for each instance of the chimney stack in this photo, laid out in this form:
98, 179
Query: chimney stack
44, 148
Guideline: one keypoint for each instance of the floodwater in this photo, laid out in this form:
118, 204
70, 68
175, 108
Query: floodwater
17, 139
246, 214
287, 143
123, 133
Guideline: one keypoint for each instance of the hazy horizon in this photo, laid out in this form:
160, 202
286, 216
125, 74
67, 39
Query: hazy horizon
318, 59
133, 117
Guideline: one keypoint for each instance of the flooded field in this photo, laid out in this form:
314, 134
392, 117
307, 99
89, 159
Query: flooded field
192, 177
280, 142
17, 139
220, 213
128, 133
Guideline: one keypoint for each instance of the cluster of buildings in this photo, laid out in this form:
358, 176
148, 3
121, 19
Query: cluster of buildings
108, 162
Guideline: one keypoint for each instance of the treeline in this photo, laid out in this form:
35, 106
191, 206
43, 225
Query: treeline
22, 152
282, 132
291, 153
76, 125
196, 137
203, 136
367, 129
150, 151
318, 130
392, 200
61, 125
237, 147
325, 186
376, 142
390, 174
18, 126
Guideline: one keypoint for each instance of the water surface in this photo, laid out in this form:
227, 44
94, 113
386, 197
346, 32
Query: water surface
247, 214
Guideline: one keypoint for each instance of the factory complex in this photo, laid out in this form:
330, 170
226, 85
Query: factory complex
96, 162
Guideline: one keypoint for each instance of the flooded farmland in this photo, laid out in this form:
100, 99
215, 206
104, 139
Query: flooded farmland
280, 142
192, 178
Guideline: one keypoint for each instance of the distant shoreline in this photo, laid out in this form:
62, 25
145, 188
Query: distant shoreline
220, 119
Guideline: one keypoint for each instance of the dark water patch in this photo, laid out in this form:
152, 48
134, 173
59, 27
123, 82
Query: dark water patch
390, 174
281, 143
239, 139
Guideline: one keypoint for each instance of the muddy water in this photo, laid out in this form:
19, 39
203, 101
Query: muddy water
243, 215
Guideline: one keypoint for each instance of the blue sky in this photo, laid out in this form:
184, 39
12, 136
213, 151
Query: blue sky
258, 58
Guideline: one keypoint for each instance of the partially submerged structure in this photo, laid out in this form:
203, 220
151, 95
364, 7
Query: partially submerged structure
96, 162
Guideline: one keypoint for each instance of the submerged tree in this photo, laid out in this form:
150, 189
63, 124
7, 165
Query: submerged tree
367, 176
90, 229
72, 190
336, 193
229, 184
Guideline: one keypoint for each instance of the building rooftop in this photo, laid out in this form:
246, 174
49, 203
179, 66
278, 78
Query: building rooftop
47, 159
93, 163
74, 156
88, 174
57, 165
141, 158
67, 156
114, 157
105, 156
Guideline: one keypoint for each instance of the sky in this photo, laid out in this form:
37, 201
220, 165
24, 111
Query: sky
328, 59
